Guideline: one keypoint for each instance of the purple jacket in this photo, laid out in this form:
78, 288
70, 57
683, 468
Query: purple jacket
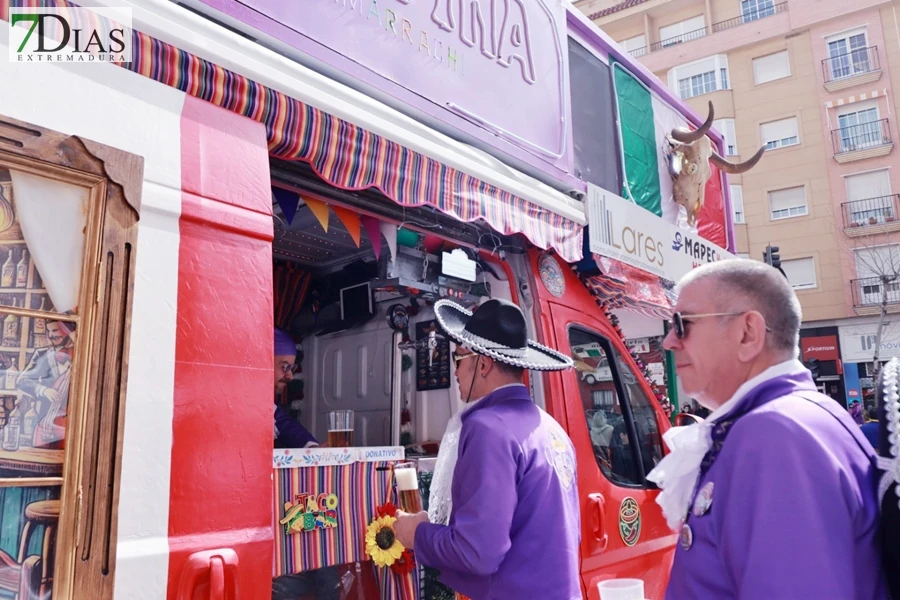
289, 433
793, 514
515, 529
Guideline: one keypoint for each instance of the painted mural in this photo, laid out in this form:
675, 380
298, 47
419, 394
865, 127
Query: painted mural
36, 359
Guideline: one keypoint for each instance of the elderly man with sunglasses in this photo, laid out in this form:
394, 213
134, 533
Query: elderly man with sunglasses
773, 497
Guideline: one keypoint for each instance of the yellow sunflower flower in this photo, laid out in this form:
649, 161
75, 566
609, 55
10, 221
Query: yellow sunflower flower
381, 542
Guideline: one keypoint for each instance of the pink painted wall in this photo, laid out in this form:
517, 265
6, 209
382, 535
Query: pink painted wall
871, 20
806, 13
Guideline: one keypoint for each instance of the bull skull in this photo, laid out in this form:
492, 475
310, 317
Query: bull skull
689, 158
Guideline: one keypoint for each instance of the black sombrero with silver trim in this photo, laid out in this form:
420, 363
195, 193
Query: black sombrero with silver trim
497, 330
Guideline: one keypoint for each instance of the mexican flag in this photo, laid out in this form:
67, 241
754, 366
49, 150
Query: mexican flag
645, 121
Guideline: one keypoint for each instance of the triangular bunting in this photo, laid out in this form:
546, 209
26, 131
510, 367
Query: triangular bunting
389, 231
320, 209
288, 201
374, 232
350, 220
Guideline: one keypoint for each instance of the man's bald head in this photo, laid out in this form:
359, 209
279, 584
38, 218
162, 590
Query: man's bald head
751, 285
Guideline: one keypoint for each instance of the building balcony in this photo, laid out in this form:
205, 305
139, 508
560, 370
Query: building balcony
678, 39
751, 15
858, 142
871, 216
724, 37
748, 17
871, 293
857, 67
638, 52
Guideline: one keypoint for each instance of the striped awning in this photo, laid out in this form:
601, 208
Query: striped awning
344, 155
622, 286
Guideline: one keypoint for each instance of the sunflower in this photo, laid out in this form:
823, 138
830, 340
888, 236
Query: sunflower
381, 542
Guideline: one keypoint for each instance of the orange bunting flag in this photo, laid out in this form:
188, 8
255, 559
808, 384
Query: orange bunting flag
350, 220
320, 210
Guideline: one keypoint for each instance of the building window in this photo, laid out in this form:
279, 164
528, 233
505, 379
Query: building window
848, 54
869, 197
771, 67
610, 394
861, 129
726, 128
871, 265
787, 203
636, 46
737, 203
751, 10
801, 272
697, 85
778, 134
700, 77
683, 31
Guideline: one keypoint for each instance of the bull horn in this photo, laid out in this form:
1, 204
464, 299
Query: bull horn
735, 169
689, 137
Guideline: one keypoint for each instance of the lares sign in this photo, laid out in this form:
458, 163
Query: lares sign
497, 64
624, 231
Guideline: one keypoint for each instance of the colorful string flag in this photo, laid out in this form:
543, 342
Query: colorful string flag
288, 201
374, 231
320, 210
351, 221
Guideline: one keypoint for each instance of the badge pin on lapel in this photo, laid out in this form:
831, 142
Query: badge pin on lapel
703, 501
687, 537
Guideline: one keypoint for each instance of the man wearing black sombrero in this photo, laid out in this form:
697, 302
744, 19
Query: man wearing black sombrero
503, 520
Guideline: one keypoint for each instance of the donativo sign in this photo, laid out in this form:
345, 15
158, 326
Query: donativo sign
624, 231
498, 64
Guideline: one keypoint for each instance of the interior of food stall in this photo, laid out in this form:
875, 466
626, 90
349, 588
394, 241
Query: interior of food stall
356, 302
355, 280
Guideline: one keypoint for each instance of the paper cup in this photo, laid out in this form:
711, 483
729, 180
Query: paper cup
622, 589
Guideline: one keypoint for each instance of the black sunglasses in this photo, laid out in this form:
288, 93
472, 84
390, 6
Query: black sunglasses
679, 321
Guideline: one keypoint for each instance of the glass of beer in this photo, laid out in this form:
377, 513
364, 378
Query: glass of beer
340, 428
407, 477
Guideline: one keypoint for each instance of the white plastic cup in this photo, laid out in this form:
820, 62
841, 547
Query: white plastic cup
622, 589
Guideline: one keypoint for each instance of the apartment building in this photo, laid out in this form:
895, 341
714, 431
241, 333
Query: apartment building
812, 80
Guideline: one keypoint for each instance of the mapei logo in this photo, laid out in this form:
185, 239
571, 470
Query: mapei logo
70, 35
678, 243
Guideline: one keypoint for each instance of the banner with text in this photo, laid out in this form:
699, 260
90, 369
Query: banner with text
624, 231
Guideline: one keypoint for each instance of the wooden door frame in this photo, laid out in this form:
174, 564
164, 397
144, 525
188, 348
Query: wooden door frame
86, 539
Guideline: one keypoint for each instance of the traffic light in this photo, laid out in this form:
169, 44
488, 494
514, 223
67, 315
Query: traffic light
813, 365
771, 256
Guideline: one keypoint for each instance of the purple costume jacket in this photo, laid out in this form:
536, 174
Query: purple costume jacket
515, 529
289, 433
793, 513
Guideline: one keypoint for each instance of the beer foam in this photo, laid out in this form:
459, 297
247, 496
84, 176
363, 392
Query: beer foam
407, 479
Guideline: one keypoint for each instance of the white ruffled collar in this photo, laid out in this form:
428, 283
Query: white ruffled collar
678, 471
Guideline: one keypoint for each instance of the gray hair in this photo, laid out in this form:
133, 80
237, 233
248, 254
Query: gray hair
754, 285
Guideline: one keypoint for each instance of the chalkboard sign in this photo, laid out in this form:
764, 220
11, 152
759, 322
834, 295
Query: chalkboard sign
432, 359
